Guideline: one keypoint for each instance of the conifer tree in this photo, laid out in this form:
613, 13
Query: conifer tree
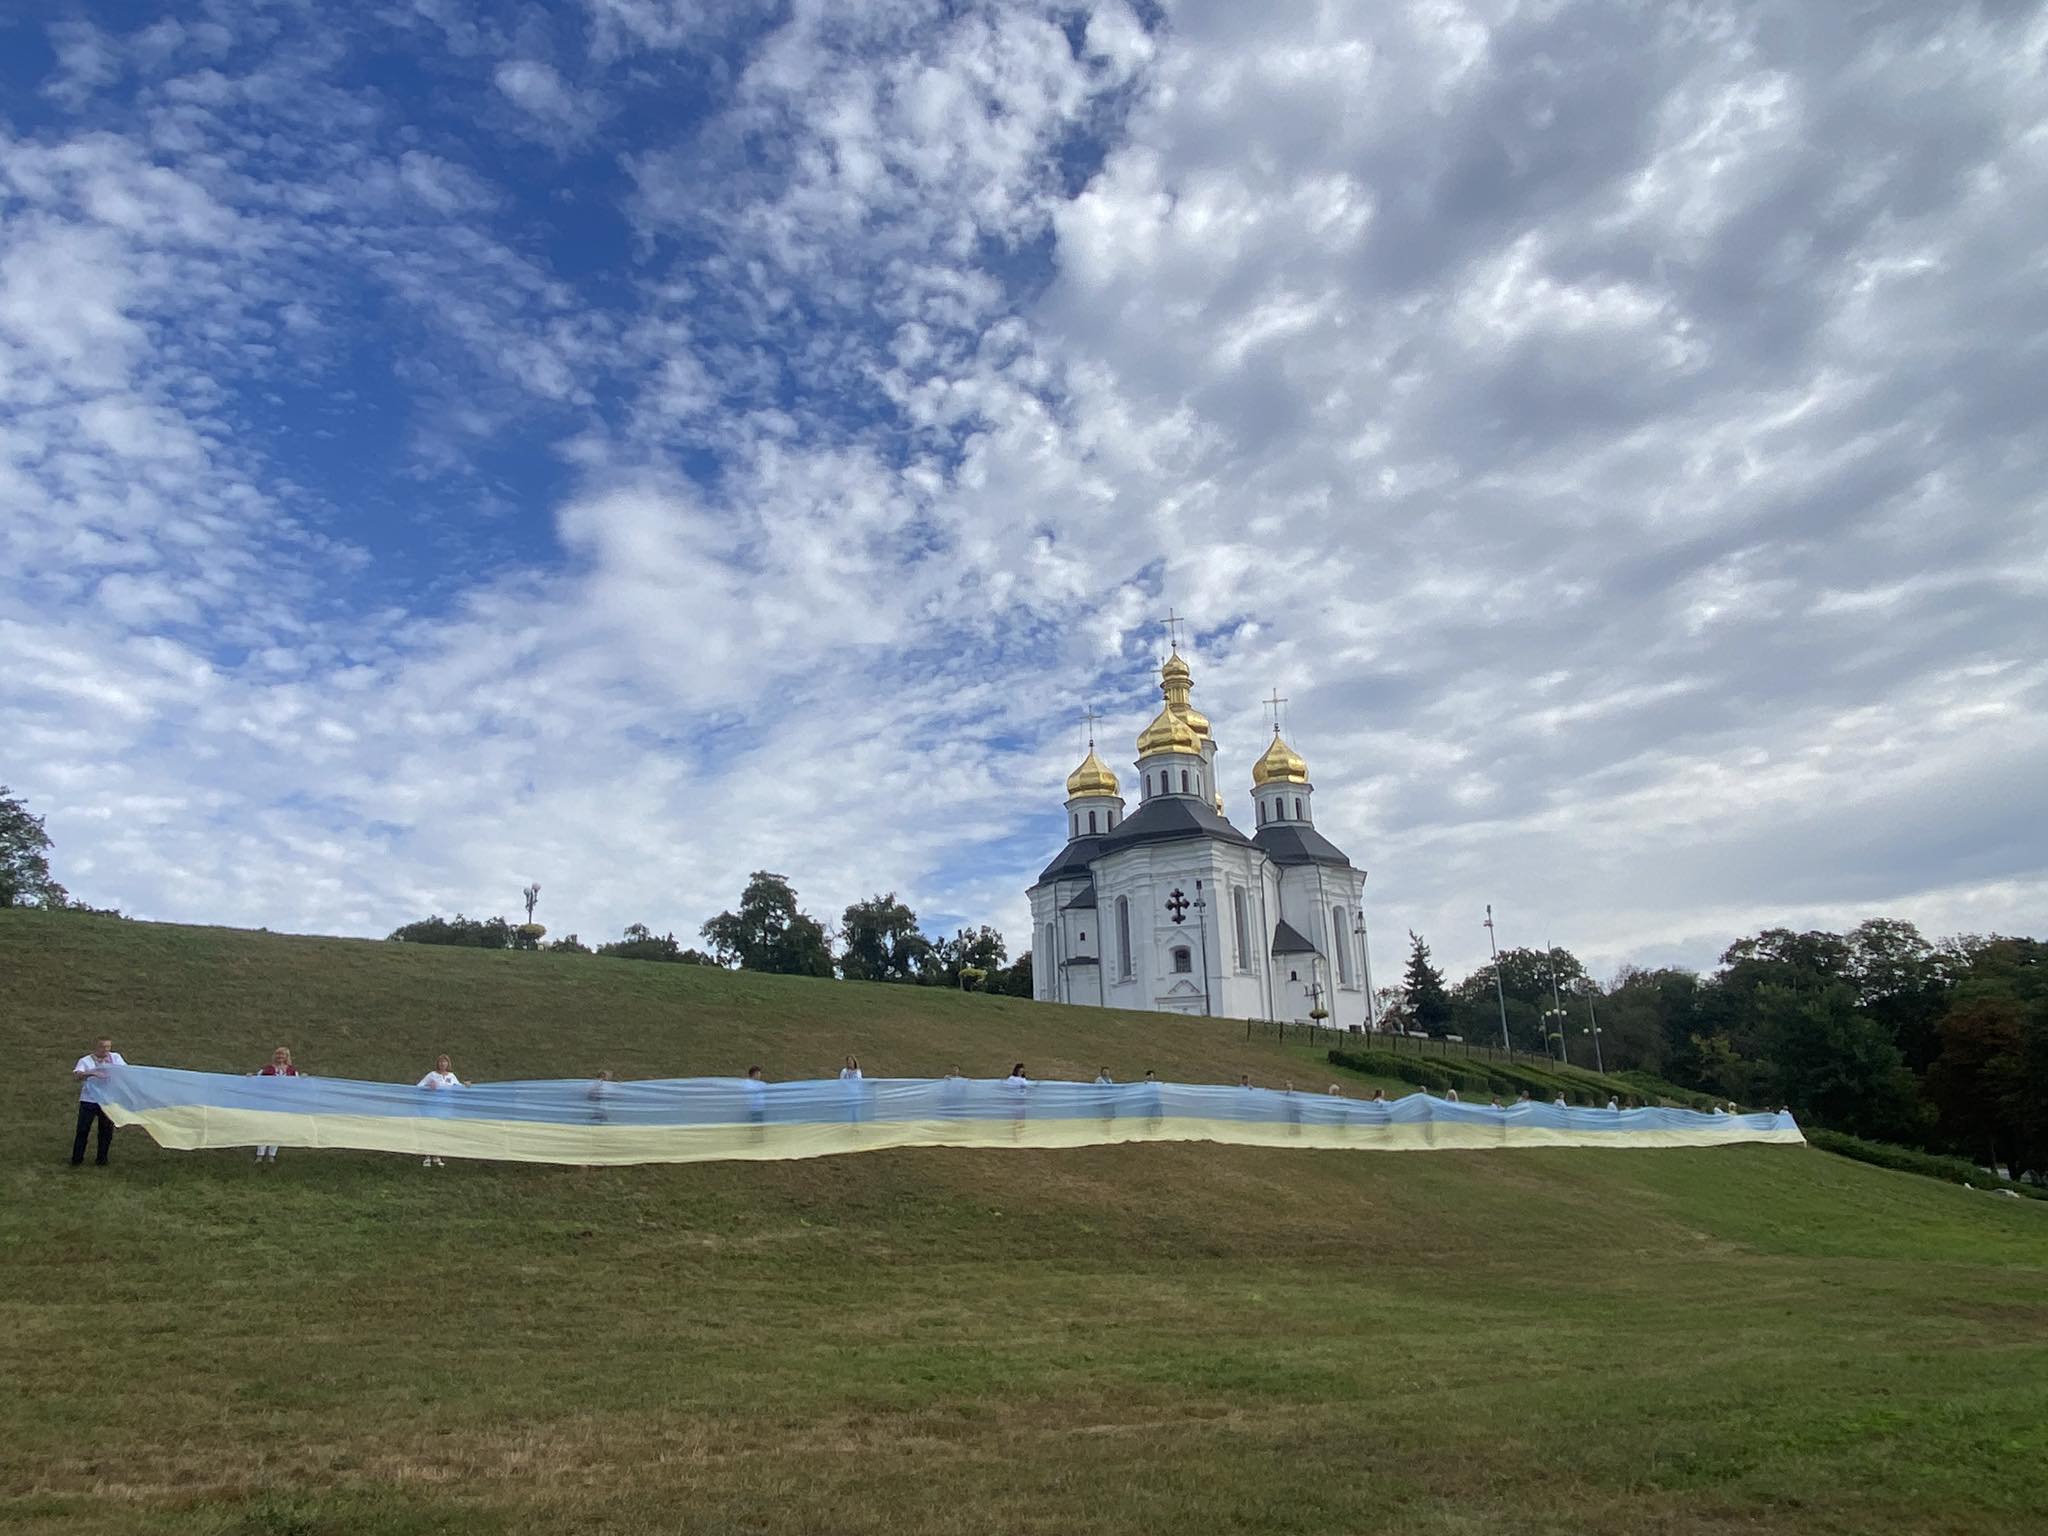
1429, 1002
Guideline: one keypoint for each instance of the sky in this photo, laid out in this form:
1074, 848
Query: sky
626, 444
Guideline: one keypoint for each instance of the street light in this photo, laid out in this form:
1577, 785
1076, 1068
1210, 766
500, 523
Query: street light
1498, 993
1372, 1017
1202, 922
1593, 1027
1557, 1006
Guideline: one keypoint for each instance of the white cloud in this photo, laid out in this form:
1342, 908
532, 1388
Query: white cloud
1605, 426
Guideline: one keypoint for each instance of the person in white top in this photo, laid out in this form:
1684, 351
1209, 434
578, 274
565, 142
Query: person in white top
1613, 1103
851, 1071
1103, 1079
90, 1073
1017, 1078
1451, 1095
439, 1080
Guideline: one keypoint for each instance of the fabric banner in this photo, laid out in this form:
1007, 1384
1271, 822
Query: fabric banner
681, 1120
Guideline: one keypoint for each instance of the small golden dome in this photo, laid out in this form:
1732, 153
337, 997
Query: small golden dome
1174, 682
1168, 732
1279, 764
1093, 777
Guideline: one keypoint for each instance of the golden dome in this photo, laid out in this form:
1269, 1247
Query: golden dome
1279, 764
1093, 777
1168, 732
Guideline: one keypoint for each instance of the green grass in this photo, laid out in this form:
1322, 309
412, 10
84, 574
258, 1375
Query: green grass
1136, 1339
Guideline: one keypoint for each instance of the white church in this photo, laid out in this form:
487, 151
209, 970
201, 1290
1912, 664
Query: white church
1173, 909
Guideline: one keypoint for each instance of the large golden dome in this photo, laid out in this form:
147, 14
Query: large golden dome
1093, 777
1169, 732
1279, 764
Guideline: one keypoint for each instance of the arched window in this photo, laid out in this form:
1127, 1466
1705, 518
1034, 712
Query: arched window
1297, 808
1091, 822
1262, 813
1084, 935
1183, 781
1148, 786
1240, 929
1183, 961
1123, 936
1340, 941
1077, 824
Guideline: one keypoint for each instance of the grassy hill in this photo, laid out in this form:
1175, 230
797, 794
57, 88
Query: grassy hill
1752, 1339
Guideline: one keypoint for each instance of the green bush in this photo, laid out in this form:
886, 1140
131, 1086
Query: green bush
1883, 1154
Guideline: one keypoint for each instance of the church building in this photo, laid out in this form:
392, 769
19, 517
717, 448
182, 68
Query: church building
1171, 908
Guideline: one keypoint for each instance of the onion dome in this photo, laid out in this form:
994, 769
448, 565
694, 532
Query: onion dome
1174, 682
1169, 732
1279, 764
1093, 777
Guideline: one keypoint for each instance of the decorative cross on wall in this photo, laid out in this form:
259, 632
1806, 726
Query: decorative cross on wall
1177, 904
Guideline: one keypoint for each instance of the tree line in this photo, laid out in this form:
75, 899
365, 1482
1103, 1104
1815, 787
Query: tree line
879, 939
1879, 1032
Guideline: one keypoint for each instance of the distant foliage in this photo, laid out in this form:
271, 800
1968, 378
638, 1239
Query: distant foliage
1876, 1033
639, 942
463, 932
979, 950
567, 945
879, 940
769, 933
1014, 979
25, 879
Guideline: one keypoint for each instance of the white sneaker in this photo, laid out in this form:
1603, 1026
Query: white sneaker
426, 1162
440, 1162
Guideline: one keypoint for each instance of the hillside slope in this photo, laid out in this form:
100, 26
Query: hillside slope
1108, 1340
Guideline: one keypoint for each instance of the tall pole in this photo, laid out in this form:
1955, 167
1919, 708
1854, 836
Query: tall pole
1593, 1024
1564, 1049
1500, 995
1372, 1017
1202, 922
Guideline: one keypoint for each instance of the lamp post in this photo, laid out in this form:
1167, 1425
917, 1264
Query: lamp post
1372, 1017
1593, 1028
1499, 995
1553, 1024
1557, 1005
1202, 922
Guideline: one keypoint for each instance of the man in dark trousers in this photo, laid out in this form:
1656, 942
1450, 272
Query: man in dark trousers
91, 1072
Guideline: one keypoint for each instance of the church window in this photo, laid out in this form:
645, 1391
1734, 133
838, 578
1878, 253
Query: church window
1239, 928
1340, 941
1183, 961
1077, 824
1183, 781
1123, 935
1262, 813
1091, 822
1297, 808
1084, 935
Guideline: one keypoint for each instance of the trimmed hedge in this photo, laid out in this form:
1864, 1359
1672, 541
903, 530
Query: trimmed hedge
1882, 1154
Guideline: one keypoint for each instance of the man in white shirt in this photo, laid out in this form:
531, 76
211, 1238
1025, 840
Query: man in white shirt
91, 1072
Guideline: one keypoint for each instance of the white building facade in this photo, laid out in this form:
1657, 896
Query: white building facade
1169, 908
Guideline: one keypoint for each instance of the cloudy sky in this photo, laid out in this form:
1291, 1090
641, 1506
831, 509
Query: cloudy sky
629, 443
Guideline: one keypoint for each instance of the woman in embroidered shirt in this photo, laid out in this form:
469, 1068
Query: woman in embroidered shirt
440, 1080
279, 1065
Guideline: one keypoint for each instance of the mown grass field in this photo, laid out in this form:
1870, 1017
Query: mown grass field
1115, 1340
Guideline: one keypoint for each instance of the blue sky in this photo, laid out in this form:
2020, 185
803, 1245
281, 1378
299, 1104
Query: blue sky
625, 444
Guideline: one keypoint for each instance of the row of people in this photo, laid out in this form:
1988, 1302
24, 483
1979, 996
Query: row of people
92, 1068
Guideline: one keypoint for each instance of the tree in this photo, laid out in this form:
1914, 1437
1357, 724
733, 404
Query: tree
879, 941
1428, 1001
1015, 979
1831, 1061
466, 932
24, 858
981, 949
1978, 1083
568, 945
768, 933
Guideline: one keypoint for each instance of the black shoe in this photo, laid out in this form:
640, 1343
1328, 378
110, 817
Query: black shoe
99, 1162
78, 1162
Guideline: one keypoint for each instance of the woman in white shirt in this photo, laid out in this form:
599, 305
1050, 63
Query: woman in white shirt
850, 1075
440, 1080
